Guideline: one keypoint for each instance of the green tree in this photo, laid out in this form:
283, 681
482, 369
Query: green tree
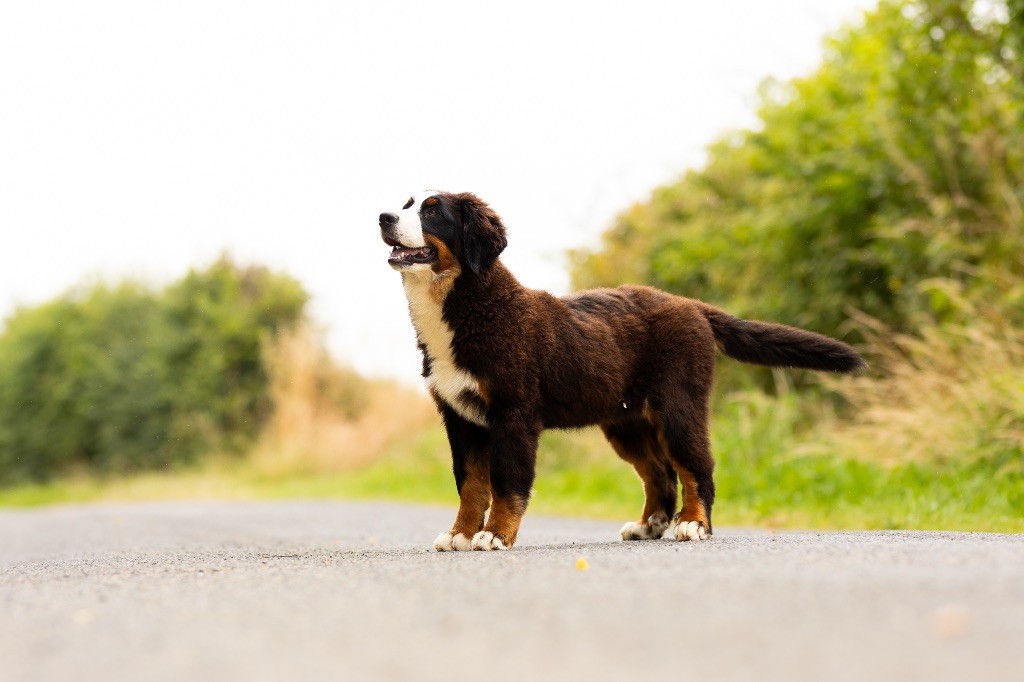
890, 180
220, 316
122, 378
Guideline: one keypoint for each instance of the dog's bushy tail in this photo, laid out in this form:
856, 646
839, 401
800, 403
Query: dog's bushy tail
778, 345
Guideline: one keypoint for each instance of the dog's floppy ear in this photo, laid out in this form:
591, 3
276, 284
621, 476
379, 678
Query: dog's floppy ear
483, 237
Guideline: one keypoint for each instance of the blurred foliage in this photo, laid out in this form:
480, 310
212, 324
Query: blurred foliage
891, 180
124, 378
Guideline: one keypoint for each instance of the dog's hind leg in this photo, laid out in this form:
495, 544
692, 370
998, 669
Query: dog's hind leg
684, 438
469, 464
693, 522
637, 443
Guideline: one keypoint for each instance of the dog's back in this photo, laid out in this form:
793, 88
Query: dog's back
611, 349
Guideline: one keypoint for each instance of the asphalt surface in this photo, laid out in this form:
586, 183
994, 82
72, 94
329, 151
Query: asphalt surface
321, 590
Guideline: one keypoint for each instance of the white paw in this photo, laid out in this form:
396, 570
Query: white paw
691, 530
443, 543
449, 542
654, 528
486, 541
460, 543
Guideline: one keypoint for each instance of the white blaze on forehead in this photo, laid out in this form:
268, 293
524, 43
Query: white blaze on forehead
409, 230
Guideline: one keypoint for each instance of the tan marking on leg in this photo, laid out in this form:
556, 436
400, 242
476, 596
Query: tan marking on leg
474, 498
693, 508
504, 519
648, 475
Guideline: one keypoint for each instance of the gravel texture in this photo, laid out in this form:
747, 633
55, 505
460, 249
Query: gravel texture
324, 590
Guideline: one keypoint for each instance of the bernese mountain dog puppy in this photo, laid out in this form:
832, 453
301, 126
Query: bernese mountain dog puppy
503, 362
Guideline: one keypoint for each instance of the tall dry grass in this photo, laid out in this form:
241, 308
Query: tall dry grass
949, 393
327, 418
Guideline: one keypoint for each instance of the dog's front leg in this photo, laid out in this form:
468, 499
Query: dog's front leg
469, 464
513, 458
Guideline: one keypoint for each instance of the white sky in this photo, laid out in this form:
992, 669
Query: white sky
138, 139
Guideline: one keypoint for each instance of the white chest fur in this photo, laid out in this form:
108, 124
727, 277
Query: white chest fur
449, 381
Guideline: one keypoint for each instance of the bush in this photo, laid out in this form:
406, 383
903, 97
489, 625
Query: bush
890, 180
124, 378
951, 394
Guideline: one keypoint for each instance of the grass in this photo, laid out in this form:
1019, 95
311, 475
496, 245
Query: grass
775, 469
936, 443
767, 476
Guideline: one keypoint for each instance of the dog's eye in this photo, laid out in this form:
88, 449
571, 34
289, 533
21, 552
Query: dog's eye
407, 204
430, 212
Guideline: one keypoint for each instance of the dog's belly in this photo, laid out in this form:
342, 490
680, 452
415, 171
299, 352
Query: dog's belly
459, 389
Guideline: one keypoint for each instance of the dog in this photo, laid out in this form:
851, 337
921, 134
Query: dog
503, 362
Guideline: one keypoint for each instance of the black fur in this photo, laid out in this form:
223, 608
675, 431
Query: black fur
777, 345
634, 360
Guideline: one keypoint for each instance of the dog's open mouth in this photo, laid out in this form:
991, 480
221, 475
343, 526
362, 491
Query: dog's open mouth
405, 254
411, 255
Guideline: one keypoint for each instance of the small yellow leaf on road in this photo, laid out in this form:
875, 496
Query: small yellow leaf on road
581, 564
950, 621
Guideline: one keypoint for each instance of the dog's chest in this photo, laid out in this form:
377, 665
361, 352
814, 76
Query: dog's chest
453, 384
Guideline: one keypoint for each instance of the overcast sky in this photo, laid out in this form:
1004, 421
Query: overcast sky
138, 139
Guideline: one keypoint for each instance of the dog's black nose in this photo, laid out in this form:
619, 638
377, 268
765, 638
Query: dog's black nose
388, 218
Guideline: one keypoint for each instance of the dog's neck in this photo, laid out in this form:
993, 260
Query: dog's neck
426, 283
427, 291
423, 283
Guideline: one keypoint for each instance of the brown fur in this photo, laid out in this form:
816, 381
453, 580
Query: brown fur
650, 460
693, 507
475, 497
634, 360
448, 269
505, 517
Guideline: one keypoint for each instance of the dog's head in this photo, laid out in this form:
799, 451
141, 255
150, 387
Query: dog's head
440, 230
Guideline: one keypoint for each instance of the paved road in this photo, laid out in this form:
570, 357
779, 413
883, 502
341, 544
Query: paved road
319, 590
